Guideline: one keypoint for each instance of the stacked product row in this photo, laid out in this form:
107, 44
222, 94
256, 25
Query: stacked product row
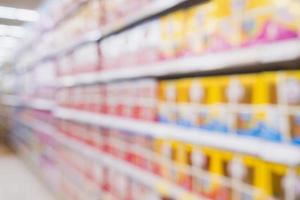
264, 105
68, 21
202, 171
134, 99
202, 29
207, 28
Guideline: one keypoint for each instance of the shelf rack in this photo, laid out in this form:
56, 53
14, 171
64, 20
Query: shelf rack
148, 12
261, 55
158, 184
269, 151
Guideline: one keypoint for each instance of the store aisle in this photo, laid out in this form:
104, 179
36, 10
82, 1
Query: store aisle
17, 182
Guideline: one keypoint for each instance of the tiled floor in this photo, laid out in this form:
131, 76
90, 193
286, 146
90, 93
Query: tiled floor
17, 182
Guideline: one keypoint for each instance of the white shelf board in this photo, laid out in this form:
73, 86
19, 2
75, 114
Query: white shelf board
40, 104
274, 152
257, 55
136, 173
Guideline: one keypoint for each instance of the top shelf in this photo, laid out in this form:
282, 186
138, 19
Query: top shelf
256, 56
148, 12
153, 9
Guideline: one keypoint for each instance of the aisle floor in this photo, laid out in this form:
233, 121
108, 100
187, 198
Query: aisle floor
17, 182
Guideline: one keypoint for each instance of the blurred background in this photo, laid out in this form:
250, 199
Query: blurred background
150, 100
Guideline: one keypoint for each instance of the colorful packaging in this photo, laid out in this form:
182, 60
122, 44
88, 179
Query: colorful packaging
167, 105
270, 20
291, 98
254, 102
172, 30
192, 102
268, 116
224, 32
280, 181
183, 114
184, 176
198, 28
218, 119
240, 94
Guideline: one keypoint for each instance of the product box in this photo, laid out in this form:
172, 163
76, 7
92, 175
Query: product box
268, 117
193, 96
269, 20
254, 103
167, 104
183, 111
240, 95
291, 94
86, 59
169, 156
198, 28
172, 30
156, 146
152, 44
146, 99
224, 25
218, 119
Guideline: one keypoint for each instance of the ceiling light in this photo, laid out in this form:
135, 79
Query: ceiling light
18, 14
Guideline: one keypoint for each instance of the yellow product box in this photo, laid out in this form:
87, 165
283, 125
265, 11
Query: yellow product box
218, 119
268, 117
169, 160
172, 31
291, 97
200, 159
254, 103
276, 180
225, 25
167, 102
192, 102
240, 95
218, 187
270, 20
199, 25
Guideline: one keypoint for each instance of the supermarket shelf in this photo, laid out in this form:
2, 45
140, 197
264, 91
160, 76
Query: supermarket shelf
154, 9
136, 173
69, 13
269, 151
260, 55
92, 36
